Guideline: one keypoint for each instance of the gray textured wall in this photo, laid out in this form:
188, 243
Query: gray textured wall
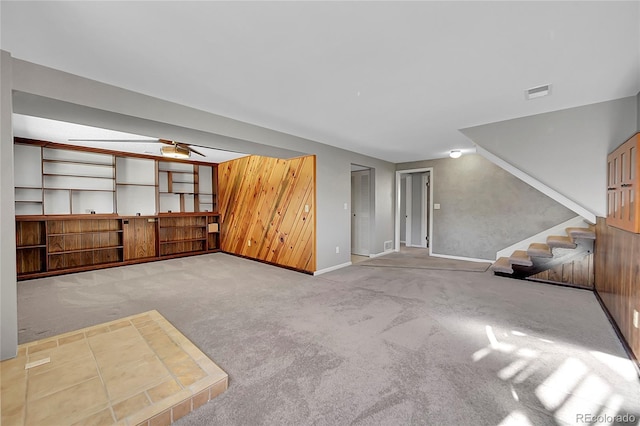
566, 150
483, 208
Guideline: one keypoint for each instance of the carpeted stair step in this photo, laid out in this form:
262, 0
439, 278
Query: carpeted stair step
560, 241
539, 250
502, 265
586, 233
520, 257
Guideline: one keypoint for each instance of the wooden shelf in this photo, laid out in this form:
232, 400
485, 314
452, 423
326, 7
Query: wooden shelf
83, 163
55, 253
182, 227
186, 240
31, 247
119, 231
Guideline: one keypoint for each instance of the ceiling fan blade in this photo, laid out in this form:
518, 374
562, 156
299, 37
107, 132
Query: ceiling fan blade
113, 140
194, 150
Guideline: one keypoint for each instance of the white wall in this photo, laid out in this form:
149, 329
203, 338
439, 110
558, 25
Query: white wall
565, 150
8, 297
54, 94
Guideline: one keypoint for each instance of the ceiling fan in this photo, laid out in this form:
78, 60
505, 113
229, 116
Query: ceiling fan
172, 149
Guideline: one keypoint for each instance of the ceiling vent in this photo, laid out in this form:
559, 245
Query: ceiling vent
537, 92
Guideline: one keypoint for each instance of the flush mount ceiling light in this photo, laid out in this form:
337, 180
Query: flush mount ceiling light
175, 151
455, 153
537, 92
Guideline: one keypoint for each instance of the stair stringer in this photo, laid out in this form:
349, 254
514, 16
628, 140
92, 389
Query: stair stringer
561, 256
576, 222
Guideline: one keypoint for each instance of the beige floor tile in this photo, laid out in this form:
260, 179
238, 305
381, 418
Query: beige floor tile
134, 362
124, 356
71, 404
129, 379
68, 353
170, 351
115, 340
119, 325
57, 379
149, 328
101, 418
71, 338
181, 410
141, 319
94, 331
50, 344
13, 402
13, 364
187, 372
131, 405
163, 390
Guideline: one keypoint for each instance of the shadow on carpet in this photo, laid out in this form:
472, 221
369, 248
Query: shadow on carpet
422, 261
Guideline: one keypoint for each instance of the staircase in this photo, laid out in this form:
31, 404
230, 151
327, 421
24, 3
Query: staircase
565, 259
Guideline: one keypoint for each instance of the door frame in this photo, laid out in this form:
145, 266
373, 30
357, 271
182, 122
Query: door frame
399, 174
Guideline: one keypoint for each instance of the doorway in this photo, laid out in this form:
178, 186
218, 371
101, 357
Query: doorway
414, 208
361, 200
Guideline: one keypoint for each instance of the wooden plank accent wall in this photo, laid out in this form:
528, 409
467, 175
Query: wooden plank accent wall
262, 201
578, 272
617, 269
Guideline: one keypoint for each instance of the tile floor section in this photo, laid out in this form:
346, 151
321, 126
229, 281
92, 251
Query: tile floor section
138, 370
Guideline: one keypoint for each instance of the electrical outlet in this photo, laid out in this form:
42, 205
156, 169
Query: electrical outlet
635, 318
306, 208
337, 249
249, 243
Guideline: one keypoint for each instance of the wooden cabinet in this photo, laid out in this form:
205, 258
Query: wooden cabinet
52, 245
623, 186
31, 255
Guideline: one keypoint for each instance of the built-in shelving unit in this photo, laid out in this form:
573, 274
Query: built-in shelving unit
82, 209
74, 243
182, 234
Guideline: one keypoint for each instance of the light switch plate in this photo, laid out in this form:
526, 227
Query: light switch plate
436, 206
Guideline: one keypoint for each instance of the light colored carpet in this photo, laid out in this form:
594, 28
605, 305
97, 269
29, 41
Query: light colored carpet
420, 259
362, 345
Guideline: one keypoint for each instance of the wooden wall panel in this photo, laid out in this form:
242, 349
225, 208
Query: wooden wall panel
264, 202
578, 272
617, 278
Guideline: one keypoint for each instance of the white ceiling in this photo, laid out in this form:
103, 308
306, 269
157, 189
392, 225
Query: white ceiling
394, 80
25, 126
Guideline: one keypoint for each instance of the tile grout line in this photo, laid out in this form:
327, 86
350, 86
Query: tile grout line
104, 385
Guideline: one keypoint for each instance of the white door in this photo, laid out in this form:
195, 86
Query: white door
360, 212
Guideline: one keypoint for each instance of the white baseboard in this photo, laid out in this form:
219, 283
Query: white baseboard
384, 253
541, 237
469, 259
331, 268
